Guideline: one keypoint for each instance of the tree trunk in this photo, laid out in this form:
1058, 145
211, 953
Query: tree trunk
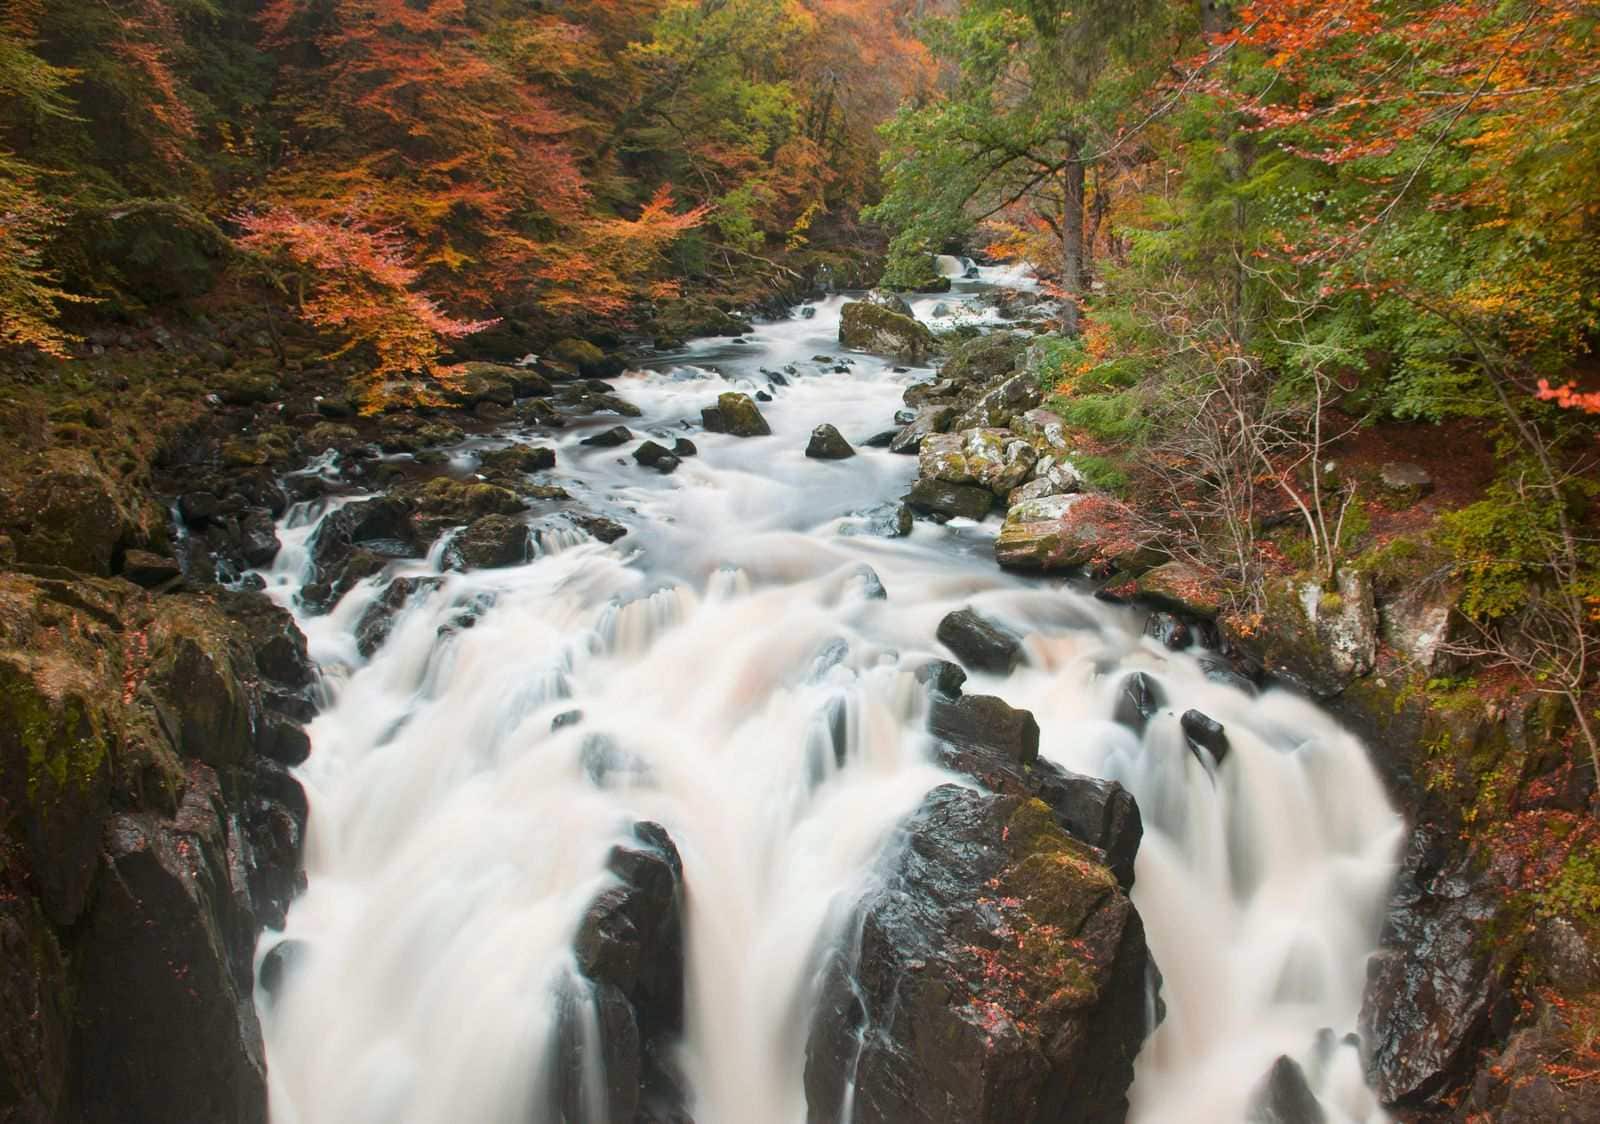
1073, 274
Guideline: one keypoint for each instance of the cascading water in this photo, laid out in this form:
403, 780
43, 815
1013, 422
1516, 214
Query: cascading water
705, 670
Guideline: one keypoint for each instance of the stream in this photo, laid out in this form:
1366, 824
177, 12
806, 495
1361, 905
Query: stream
458, 832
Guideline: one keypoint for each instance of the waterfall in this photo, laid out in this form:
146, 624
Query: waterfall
727, 671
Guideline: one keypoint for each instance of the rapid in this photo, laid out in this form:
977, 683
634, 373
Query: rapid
458, 830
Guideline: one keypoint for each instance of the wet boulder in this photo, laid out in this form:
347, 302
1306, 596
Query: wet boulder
827, 443
871, 327
1169, 630
630, 945
942, 500
942, 678
609, 438
976, 729
381, 526
980, 644
691, 319
489, 543
1204, 732
1139, 699
1433, 985
999, 978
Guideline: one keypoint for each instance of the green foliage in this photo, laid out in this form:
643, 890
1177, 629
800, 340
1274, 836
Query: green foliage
1500, 546
1117, 418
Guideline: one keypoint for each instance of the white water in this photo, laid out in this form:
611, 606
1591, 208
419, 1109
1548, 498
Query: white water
456, 838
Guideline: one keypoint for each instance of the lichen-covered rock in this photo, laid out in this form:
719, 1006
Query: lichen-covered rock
883, 298
1071, 532
520, 458
999, 979
997, 405
1051, 477
870, 327
990, 458
1318, 639
1421, 623
1045, 429
929, 420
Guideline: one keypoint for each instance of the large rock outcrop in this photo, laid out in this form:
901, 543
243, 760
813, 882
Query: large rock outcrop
148, 830
998, 978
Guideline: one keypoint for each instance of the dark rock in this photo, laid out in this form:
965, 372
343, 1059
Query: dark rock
258, 538
683, 447
1171, 631
942, 677
149, 570
938, 498
1284, 1097
1100, 812
827, 443
882, 439
606, 530
1205, 733
982, 360
985, 727
980, 644
378, 620
489, 543
763, 396
649, 453
278, 963
197, 509
610, 438
1139, 699
382, 526
1432, 987
165, 1028
564, 719
1219, 670
936, 1019
929, 420
711, 419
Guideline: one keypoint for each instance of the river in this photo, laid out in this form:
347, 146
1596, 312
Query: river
457, 832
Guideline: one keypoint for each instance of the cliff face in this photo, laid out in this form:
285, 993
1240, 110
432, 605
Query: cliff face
149, 827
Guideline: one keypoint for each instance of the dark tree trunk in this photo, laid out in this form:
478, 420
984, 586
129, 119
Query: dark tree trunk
1074, 274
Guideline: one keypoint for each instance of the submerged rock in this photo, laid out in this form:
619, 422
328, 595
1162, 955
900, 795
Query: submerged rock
999, 978
1284, 1097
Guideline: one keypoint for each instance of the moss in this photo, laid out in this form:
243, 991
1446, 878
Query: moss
62, 739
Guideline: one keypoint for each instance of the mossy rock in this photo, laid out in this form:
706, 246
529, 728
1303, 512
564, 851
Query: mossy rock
65, 511
871, 327
55, 776
692, 319
248, 388
980, 361
1321, 640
